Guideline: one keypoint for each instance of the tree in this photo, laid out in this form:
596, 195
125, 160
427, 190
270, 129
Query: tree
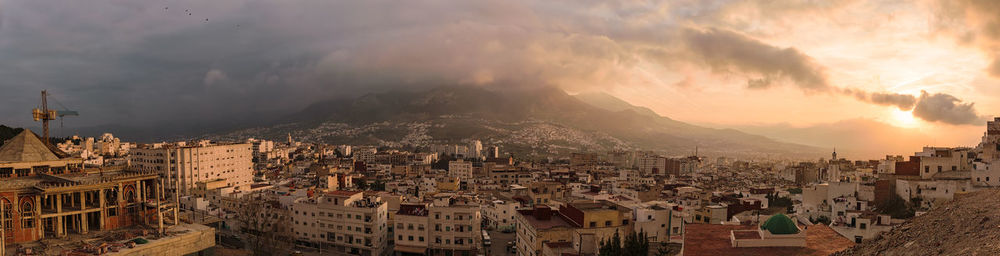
634, 244
612, 247
896, 207
266, 225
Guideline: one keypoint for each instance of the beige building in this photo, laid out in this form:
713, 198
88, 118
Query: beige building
460, 169
342, 223
185, 165
450, 225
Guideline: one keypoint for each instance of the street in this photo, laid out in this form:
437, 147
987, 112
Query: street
500, 240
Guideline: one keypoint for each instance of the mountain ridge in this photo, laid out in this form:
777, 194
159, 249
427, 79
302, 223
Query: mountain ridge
534, 121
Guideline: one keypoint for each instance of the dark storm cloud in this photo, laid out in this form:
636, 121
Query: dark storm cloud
144, 63
944, 108
727, 51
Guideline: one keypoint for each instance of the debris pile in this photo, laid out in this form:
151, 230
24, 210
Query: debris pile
968, 225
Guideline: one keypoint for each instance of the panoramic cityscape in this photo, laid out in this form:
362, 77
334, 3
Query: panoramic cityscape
487, 128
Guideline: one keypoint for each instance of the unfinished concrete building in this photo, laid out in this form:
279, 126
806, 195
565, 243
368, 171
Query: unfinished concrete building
45, 193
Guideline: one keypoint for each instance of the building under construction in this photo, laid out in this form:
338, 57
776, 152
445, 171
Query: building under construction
46, 193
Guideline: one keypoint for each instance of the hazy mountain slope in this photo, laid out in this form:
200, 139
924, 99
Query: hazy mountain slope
612, 103
853, 138
536, 121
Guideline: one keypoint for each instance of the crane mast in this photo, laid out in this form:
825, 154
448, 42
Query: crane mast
44, 114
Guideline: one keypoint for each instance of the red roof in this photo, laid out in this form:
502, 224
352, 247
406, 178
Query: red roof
714, 240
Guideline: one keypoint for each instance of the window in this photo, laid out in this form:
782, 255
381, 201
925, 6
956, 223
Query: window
421, 239
8, 214
607, 223
27, 210
593, 224
863, 225
400, 237
410, 238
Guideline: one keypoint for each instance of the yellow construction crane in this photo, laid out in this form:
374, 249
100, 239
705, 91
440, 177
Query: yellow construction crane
45, 114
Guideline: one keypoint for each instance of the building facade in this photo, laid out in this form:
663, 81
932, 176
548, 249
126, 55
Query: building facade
183, 166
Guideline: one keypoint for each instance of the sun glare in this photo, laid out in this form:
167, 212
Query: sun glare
904, 118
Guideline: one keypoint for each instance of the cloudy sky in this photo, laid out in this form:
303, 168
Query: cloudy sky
932, 65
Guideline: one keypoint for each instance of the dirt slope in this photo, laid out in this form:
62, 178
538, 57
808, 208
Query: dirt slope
968, 225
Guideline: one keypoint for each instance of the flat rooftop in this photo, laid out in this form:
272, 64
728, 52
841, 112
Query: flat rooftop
556, 220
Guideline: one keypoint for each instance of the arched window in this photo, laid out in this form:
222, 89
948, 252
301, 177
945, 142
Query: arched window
110, 197
8, 214
130, 194
27, 211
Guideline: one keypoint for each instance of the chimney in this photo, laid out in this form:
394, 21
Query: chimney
542, 212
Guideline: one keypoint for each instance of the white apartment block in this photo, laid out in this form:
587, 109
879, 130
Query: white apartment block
448, 226
184, 166
499, 214
342, 223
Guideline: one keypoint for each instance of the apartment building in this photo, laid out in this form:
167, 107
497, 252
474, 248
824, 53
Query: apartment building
583, 224
342, 223
449, 225
538, 226
499, 214
184, 165
460, 169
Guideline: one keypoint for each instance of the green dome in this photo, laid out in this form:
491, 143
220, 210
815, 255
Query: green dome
780, 225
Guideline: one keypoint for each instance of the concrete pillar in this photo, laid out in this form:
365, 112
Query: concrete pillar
159, 211
38, 209
83, 223
59, 219
141, 194
104, 210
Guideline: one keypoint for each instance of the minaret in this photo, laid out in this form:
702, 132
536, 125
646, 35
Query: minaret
834, 155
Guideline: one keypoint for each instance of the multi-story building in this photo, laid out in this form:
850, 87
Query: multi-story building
184, 165
260, 148
937, 160
364, 154
460, 169
499, 214
342, 223
475, 149
584, 224
659, 220
450, 225
545, 192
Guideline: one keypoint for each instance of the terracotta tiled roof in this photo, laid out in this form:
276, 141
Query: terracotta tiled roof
713, 240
